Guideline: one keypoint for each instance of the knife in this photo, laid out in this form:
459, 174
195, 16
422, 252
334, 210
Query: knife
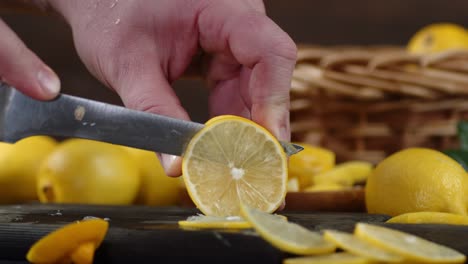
70, 116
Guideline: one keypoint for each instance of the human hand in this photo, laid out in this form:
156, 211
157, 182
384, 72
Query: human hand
139, 47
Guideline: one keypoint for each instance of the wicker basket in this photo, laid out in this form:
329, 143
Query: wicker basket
368, 102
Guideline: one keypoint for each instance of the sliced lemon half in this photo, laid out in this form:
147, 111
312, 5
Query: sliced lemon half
357, 246
233, 160
286, 236
409, 246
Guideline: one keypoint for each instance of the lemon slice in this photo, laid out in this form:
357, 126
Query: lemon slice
293, 185
336, 258
346, 174
218, 222
430, 218
76, 241
215, 222
407, 245
233, 160
286, 236
360, 247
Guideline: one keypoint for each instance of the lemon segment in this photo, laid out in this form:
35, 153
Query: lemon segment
346, 174
309, 162
416, 180
409, 246
430, 218
73, 239
286, 236
335, 258
233, 160
359, 247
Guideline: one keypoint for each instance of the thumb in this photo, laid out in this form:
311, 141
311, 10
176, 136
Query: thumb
21, 68
151, 92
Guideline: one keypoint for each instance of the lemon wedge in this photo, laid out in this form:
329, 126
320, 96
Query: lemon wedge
336, 258
409, 246
76, 242
430, 218
357, 246
286, 236
233, 160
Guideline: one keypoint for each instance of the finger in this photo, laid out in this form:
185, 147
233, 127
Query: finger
256, 42
225, 99
145, 88
21, 68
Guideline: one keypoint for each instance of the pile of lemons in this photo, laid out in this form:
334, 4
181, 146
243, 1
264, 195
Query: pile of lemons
314, 170
82, 171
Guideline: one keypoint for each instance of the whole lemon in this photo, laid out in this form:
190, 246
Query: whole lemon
156, 187
438, 37
309, 162
19, 164
88, 172
417, 179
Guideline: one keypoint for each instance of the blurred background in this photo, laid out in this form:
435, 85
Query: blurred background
358, 22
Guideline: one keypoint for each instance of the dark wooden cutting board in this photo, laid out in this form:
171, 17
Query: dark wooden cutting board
141, 234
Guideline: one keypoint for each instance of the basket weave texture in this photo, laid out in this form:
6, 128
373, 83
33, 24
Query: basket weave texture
368, 102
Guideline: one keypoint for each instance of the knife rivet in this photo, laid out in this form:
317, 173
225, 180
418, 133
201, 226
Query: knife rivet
79, 113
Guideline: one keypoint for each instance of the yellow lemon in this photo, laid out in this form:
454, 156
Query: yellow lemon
309, 162
417, 179
438, 37
345, 174
335, 258
286, 236
409, 246
156, 188
430, 218
88, 172
19, 164
75, 242
233, 160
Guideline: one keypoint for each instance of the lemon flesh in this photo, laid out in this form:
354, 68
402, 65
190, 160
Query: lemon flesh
233, 160
430, 218
409, 246
286, 236
357, 246
336, 258
72, 240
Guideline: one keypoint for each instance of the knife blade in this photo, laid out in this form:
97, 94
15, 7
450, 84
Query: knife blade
70, 116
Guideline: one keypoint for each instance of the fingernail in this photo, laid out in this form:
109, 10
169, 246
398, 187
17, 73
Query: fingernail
49, 81
172, 165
